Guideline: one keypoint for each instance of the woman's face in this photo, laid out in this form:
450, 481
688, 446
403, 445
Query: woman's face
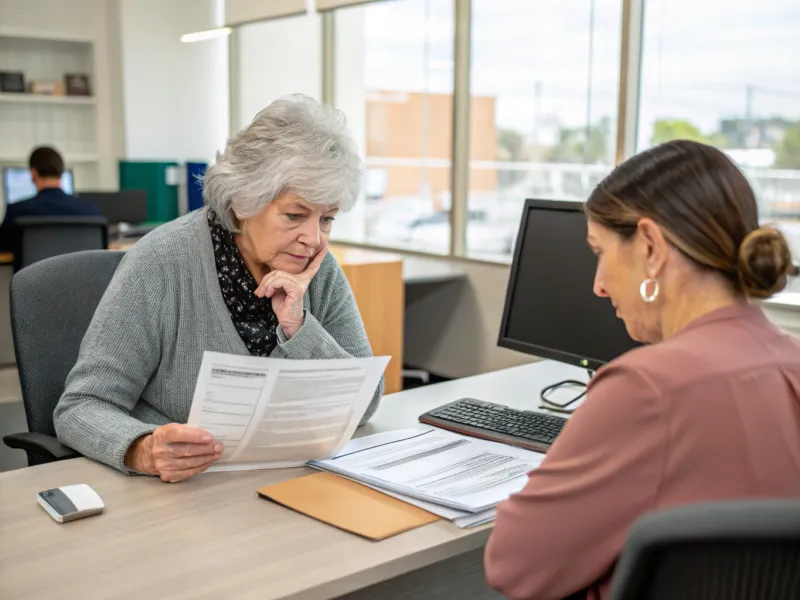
287, 234
622, 265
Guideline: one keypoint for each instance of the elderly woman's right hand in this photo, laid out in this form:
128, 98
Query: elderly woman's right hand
174, 452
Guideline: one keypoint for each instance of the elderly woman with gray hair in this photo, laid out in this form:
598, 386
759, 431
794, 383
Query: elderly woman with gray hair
247, 274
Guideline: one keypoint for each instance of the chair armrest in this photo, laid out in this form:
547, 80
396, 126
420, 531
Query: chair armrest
39, 442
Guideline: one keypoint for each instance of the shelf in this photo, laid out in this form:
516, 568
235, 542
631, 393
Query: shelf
45, 99
69, 159
28, 34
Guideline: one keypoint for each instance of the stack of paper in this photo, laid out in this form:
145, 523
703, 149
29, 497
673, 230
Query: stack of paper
272, 412
456, 477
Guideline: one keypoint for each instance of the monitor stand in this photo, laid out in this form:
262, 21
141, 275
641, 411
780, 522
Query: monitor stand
563, 407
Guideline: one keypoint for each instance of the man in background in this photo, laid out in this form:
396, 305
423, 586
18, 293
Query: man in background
46, 167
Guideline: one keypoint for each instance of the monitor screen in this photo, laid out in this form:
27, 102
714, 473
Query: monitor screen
124, 206
18, 184
551, 310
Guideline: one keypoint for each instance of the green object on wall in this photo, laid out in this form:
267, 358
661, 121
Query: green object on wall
162, 198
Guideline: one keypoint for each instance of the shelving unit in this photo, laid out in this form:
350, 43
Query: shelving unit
69, 123
31, 34
43, 99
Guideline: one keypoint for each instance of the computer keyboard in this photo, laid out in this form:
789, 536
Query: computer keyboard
498, 423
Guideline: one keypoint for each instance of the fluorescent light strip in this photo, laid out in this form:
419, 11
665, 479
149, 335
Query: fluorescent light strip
200, 36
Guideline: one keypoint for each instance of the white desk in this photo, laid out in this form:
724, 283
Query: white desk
212, 537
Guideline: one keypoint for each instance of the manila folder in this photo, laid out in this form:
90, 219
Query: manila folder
347, 505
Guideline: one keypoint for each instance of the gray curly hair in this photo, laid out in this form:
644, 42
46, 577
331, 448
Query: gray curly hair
294, 145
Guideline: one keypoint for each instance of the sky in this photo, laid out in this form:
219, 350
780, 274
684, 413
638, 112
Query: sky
699, 56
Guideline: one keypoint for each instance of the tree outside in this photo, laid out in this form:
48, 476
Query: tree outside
572, 146
787, 151
666, 130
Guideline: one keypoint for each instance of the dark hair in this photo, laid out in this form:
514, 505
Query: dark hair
706, 208
47, 162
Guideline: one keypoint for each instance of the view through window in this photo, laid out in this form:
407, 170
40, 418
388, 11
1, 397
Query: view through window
544, 79
394, 81
544, 102
729, 75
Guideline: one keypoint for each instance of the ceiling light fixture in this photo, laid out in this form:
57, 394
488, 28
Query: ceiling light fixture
210, 34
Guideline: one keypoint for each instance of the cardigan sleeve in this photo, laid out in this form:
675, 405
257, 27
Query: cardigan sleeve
119, 354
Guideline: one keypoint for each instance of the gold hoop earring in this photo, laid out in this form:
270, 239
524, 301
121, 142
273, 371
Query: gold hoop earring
643, 290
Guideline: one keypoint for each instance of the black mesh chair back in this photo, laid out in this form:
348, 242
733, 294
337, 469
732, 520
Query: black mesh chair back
734, 550
42, 237
52, 303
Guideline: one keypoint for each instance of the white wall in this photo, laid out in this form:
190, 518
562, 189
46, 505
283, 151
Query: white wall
451, 329
175, 94
350, 98
274, 58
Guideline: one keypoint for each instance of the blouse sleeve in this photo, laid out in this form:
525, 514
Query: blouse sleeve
565, 529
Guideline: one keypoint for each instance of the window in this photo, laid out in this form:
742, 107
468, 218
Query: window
394, 81
544, 89
729, 77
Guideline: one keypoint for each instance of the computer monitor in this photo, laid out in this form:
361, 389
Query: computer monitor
18, 184
551, 310
124, 206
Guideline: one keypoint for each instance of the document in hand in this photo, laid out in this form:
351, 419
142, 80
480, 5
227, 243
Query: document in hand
437, 467
271, 412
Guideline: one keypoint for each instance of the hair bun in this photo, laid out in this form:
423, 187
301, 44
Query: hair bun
765, 261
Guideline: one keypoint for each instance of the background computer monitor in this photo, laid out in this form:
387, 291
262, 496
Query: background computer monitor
18, 184
124, 206
551, 310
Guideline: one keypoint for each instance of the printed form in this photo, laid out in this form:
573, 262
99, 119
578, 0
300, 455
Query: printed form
272, 413
437, 466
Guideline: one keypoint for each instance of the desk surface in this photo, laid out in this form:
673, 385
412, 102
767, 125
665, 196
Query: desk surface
212, 537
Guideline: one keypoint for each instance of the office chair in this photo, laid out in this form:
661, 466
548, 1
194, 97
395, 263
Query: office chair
52, 304
42, 237
732, 550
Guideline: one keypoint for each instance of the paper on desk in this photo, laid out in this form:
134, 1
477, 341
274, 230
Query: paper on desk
461, 518
437, 466
270, 412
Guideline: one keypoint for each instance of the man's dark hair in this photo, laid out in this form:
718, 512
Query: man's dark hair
47, 162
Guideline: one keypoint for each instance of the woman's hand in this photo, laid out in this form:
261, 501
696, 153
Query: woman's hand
287, 291
174, 452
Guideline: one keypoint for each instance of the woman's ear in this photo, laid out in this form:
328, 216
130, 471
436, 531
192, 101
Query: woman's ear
655, 245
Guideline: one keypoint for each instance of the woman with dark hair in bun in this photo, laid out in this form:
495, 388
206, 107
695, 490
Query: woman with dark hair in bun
708, 409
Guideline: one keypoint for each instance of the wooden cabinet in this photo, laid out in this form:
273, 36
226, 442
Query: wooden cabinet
376, 279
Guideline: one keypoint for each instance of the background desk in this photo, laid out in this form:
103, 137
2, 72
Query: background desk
378, 282
212, 537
